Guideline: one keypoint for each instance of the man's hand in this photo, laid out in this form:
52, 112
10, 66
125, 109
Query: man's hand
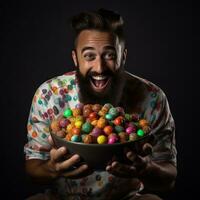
137, 165
62, 164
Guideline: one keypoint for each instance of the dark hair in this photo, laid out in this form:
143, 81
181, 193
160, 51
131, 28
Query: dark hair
102, 20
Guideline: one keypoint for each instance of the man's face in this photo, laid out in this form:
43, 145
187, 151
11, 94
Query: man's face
99, 57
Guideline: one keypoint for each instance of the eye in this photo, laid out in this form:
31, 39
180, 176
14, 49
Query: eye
89, 56
110, 55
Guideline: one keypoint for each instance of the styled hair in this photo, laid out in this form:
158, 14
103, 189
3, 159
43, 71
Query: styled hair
101, 20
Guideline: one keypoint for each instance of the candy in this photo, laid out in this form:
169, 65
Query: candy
88, 139
113, 139
68, 136
109, 116
128, 117
113, 111
86, 112
76, 131
118, 120
140, 132
146, 129
75, 138
108, 130
96, 132
102, 139
76, 112
123, 137
99, 124
143, 122
119, 129
78, 124
64, 122
130, 129
79, 105
92, 116
96, 108
67, 113
87, 127
55, 126
133, 136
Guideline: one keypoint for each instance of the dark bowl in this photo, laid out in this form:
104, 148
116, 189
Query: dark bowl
97, 156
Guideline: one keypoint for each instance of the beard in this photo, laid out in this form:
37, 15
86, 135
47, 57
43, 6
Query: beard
112, 93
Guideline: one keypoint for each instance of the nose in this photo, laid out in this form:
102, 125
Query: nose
99, 65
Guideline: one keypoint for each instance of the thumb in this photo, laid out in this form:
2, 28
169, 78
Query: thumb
51, 142
147, 149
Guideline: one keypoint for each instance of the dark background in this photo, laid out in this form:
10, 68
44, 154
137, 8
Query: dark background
36, 43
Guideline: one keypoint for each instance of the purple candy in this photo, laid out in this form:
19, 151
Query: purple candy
120, 110
64, 122
130, 129
79, 105
96, 132
112, 139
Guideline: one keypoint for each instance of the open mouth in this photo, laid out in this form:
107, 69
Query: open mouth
99, 82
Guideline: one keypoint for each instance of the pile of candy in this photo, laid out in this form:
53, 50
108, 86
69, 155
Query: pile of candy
99, 124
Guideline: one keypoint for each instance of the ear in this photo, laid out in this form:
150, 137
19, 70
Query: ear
124, 56
74, 57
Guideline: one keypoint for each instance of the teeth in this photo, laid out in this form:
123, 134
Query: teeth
99, 78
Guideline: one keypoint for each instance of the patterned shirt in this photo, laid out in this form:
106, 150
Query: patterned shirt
59, 93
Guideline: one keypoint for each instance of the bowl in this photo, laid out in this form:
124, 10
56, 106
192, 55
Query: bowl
98, 156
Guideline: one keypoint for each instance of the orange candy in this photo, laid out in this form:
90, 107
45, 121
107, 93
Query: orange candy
101, 123
76, 131
143, 122
68, 136
108, 130
123, 137
55, 127
76, 112
88, 139
146, 129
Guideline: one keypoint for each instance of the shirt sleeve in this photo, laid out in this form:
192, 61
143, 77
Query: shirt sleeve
37, 146
163, 127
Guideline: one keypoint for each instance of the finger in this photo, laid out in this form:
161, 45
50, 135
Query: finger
131, 156
140, 163
137, 161
67, 163
121, 170
77, 172
50, 140
57, 154
147, 149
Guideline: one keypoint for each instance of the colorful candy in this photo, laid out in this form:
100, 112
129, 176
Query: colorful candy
67, 113
99, 124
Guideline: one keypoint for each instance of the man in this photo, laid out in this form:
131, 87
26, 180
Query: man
99, 56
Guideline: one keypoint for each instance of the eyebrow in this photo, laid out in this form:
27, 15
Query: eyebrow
86, 48
92, 48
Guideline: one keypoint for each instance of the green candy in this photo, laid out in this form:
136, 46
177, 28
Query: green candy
140, 132
128, 117
119, 129
109, 116
87, 127
76, 138
113, 111
67, 113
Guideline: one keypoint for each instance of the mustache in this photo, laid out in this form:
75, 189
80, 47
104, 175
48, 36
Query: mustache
104, 73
